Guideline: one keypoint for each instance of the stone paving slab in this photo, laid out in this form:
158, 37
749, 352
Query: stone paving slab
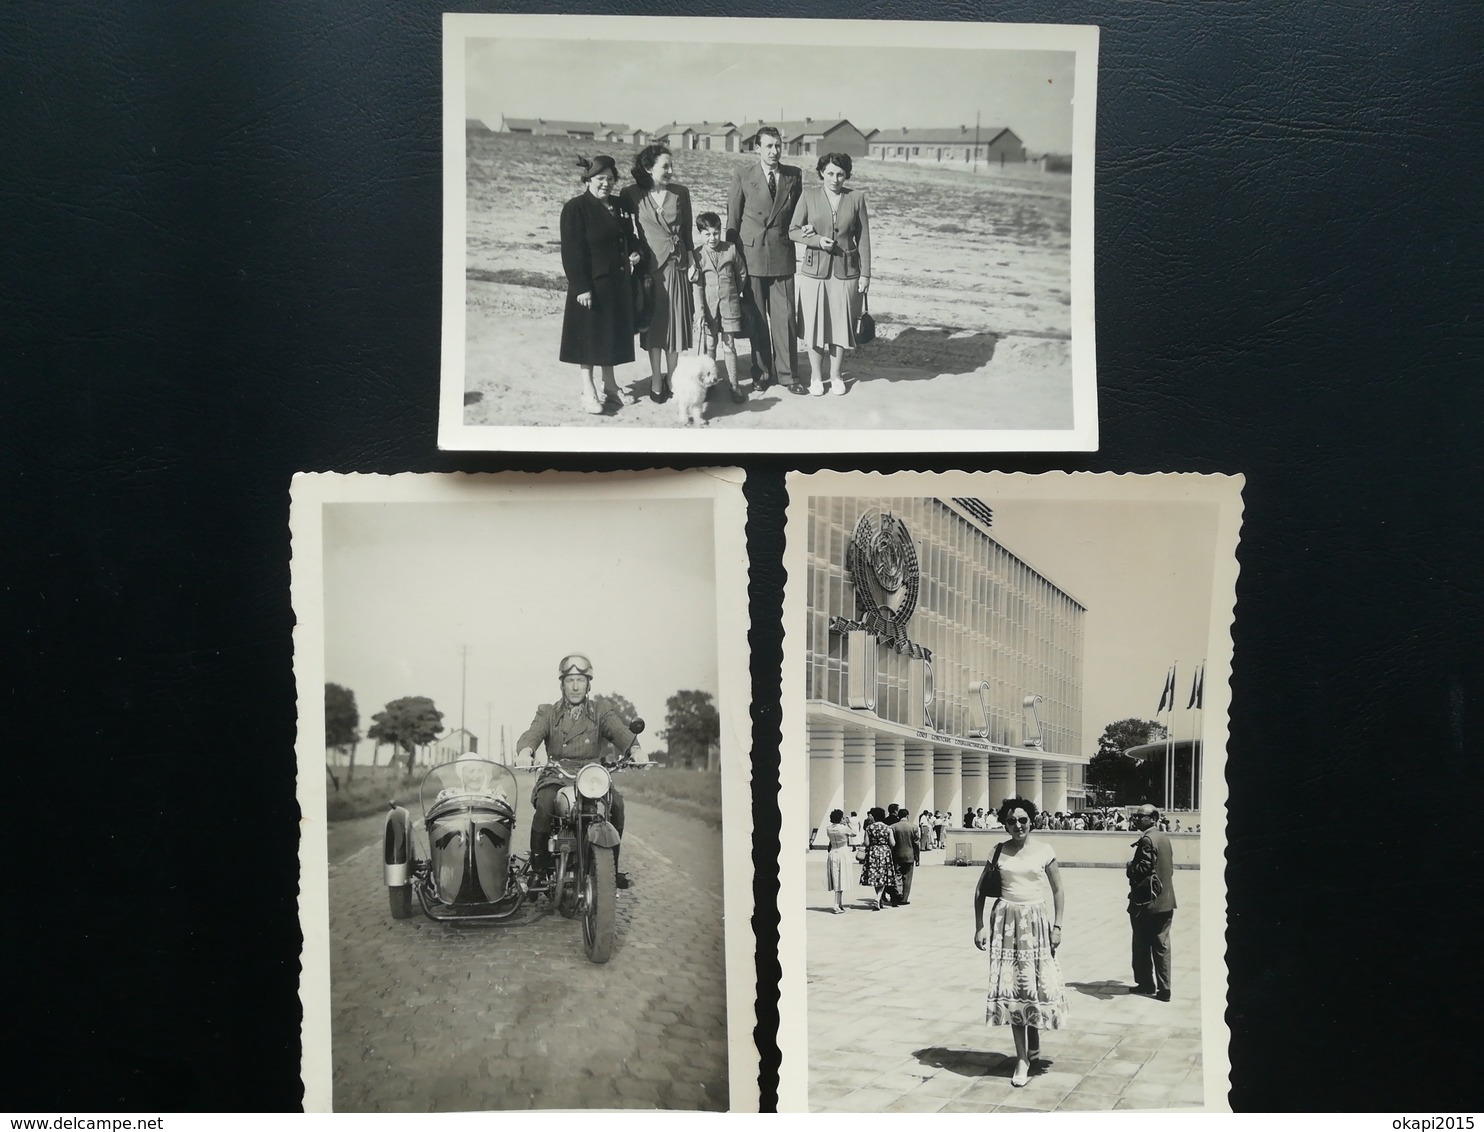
896, 1004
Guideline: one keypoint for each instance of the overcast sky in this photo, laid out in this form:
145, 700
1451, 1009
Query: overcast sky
1144, 571
648, 84
629, 583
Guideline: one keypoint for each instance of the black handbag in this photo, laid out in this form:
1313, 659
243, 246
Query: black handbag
641, 281
643, 286
865, 331
991, 884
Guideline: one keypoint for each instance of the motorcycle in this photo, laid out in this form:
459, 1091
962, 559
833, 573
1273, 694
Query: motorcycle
472, 873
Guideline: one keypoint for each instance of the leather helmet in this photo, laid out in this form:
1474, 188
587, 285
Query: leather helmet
575, 664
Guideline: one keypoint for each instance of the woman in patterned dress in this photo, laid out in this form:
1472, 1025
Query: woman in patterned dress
663, 209
880, 869
1025, 983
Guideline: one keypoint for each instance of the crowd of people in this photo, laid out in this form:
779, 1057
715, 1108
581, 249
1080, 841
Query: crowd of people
1014, 924
791, 264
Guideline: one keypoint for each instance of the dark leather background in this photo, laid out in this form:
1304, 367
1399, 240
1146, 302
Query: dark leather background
221, 265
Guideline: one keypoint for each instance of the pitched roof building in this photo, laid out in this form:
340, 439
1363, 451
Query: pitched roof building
812, 136
944, 144
698, 135
556, 127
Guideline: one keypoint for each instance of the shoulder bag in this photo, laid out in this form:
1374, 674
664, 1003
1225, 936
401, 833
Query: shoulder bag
992, 885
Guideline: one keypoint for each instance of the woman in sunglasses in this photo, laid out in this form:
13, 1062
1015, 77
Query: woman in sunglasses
1025, 983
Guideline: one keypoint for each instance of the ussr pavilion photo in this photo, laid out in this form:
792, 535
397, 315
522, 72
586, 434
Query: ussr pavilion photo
954, 642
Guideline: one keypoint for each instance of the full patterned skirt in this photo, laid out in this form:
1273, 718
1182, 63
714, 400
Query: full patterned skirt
1025, 984
880, 870
670, 325
827, 311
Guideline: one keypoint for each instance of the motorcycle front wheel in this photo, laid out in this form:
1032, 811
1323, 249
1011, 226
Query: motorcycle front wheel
600, 911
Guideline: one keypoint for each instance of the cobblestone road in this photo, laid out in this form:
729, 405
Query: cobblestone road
429, 1017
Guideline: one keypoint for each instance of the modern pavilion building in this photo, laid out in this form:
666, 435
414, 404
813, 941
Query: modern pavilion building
943, 671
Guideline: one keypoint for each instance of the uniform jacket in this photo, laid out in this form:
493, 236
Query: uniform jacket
1153, 856
759, 222
847, 224
595, 243
905, 842
574, 739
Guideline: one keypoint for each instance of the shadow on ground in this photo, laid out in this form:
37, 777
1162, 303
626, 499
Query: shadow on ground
930, 353
966, 1062
1104, 990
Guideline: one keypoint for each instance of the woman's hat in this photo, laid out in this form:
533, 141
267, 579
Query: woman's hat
600, 164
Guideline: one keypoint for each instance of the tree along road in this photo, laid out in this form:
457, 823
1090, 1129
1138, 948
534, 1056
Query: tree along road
430, 1017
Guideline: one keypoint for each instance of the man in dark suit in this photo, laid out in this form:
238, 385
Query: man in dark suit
905, 850
1151, 904
760, 207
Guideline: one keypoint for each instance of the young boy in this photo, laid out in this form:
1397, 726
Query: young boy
723, 277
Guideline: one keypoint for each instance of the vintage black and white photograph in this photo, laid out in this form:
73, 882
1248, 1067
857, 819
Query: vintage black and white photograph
1005, 706
767, 235
524, 768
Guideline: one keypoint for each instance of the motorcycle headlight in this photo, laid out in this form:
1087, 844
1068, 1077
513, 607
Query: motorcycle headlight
592, 781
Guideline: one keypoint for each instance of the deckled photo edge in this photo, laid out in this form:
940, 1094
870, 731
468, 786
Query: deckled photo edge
1221, 491
722, 486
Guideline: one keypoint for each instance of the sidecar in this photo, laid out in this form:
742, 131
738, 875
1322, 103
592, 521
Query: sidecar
470, 871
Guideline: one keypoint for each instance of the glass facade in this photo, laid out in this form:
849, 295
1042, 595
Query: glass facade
984, 614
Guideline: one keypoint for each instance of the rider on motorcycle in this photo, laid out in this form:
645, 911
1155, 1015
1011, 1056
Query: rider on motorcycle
573, 730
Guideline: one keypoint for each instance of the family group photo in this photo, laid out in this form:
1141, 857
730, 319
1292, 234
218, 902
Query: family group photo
1005, 889
526, 863
717, 232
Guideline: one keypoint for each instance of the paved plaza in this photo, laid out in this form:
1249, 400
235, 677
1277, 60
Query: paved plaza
896, 1004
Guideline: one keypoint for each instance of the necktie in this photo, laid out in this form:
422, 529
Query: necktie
773, 186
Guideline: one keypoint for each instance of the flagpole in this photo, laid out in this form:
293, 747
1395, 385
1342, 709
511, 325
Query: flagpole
1170, 739
1198, 744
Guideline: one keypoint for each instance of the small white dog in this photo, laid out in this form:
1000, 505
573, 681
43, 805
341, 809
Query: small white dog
693, 378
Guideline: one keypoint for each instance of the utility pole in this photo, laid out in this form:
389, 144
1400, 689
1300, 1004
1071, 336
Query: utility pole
463, 698
976, 141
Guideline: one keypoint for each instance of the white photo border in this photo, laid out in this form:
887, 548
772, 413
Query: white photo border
1221, 491
454, 434
310, 494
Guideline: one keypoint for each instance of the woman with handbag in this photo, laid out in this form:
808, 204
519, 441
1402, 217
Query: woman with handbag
879, 868
597, 257
838, 861
662, 207
1025, 982
834, 268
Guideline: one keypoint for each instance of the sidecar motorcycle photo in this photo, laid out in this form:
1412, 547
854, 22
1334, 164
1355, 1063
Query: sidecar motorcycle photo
460, 865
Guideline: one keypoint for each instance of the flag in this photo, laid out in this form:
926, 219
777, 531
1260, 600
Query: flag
1167, 697
1197, 688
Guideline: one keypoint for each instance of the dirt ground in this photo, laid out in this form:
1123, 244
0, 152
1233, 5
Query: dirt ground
970, 290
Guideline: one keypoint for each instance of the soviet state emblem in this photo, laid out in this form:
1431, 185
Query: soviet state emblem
882, 562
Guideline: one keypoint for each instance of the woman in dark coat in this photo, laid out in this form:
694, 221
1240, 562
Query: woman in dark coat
597, 257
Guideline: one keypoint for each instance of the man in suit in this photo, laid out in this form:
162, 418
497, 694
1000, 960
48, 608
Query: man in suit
1151, 904
906, 847
760, 208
